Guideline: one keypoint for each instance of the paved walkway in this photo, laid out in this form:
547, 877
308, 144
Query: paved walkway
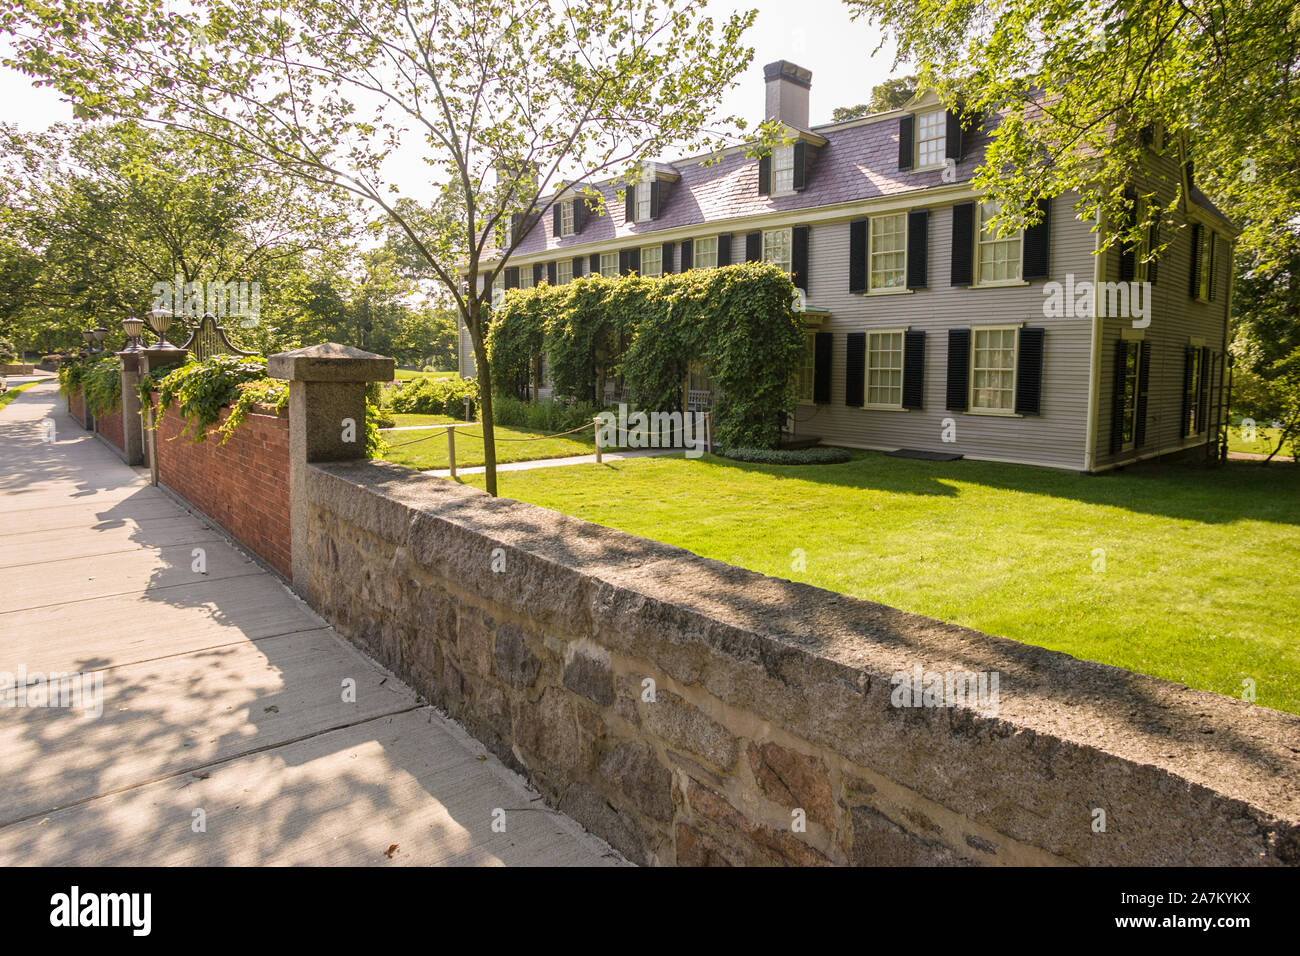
223, 737
557, 462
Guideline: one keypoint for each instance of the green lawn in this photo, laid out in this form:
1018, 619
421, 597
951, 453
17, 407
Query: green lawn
430, 451
1199, 584
1265, 441
14, 392
406, 374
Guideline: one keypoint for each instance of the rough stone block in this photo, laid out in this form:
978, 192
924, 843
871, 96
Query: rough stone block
793, 780
686, 727
516, 663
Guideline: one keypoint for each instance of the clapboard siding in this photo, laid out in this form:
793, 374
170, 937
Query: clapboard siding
1056, 438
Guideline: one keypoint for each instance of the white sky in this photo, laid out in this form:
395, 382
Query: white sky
816, 34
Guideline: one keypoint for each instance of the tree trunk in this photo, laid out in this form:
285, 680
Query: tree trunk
484, 399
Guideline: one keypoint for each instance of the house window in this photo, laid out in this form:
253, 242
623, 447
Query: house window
706, 253
998, 259
652, 260
566, 219
885, 369
609, 264
930, 132
993, 369
564, 272
807, 370
1128, 423
643, 202
776, 248
889, 251
1192, 398
526, 277
498, 289
507, 232
1205, 265
783, 169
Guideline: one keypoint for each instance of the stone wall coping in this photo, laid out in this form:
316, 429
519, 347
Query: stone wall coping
331, 362
803, 634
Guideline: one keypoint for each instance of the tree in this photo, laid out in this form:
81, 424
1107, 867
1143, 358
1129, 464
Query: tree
1075, 82
886, 96
502, 100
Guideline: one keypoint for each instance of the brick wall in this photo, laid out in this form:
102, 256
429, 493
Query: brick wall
77, 407
110, 426
242, 485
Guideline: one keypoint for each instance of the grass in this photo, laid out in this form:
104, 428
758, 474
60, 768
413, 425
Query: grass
1199, 582
1265, 441
13, 393
430, 451
406, 374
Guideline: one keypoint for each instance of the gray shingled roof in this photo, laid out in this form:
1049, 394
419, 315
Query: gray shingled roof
858, 162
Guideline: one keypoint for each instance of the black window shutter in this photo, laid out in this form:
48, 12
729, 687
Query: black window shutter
634, 260
822, 367
579, 213
753, 246
1029, 372
1196, 260
963, 243
687, 255
765, 175
858, 255
629, 203
1036, 250
1117, 398
539, 270
1188, 359
918, 249
1203, 394
593, 263
577, 267
1128, 251
555, 220
799, 257
855, 368
668, 258
1212, 239
1153, 242
655, 198
800, 164
622, 262
512, 277
724, 250
550, 272
913, 369
952, 136
905, 141
1144, 379
958, 369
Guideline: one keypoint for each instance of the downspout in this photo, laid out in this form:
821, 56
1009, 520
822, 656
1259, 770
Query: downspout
1094, 361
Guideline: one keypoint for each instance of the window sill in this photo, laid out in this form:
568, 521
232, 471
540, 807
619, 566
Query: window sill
993, 413
929, 169
886, 408
903, 291
1002, 284
784, 194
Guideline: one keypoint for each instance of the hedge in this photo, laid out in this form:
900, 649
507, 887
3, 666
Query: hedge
818, 455
738, 319
435, 396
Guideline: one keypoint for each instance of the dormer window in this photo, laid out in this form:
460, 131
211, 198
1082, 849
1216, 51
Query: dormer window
783, 169
566, 218
643, 201
930, 139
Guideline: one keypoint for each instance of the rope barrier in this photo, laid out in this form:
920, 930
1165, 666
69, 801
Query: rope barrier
445, 430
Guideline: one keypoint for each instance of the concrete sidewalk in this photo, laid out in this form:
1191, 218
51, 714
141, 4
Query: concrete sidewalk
224, 736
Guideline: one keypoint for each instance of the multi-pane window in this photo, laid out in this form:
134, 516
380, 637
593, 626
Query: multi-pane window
525, 277
993, 369
998, 259
609, 264
643, 202
776, 248
564, 272
1196, 372
930, 130
566, 218
885, 369
652, 261
706, 253
808, 369
1128, 424
783, 169
889, 251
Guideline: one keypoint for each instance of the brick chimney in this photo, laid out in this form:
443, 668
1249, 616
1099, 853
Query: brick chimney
787, 93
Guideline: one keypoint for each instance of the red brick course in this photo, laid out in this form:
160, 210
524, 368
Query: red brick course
110, 426
242, 485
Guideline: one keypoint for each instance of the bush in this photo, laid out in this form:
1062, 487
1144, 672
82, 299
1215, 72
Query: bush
101, 379
8, 352
550, 416
201, 389
70, 375
819, 455
436, 396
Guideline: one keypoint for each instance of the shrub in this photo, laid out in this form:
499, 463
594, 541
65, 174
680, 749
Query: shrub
8, 352
436, 396
819, 455
549, 416
70, 375
101, 380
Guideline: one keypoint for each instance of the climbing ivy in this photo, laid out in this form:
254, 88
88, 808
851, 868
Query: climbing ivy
101, 382
738, 320
201, 389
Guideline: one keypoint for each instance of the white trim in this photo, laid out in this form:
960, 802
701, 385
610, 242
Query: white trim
902, 369
971, 409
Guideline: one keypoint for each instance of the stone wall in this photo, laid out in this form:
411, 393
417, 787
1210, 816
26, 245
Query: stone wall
242, 485
690, 712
